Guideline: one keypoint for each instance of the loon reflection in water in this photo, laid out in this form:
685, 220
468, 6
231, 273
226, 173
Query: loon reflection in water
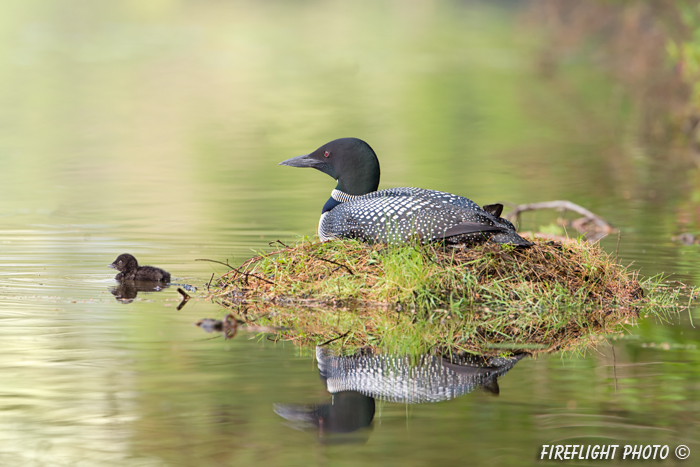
356, 381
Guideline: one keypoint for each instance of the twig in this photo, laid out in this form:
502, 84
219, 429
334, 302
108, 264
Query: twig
209, 283
561, 206
214, 261
185, 298
336, 263
259, 257
247, 274
272, 253
280, 242
334, 339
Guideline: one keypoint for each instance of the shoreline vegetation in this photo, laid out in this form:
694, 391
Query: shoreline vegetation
650, 49
416, 298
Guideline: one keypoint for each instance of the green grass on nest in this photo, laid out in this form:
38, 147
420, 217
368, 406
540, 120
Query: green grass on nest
415, 298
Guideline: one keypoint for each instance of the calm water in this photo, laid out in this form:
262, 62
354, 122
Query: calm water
155, 128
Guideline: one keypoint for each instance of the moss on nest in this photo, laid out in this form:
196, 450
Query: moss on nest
414, 298
351, 273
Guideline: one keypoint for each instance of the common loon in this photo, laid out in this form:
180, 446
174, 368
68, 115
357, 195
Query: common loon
396, 215
131, 271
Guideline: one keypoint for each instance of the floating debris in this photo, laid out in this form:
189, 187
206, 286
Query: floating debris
686, 238
185, 298
229, 326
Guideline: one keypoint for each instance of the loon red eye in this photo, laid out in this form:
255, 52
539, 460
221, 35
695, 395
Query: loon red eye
327, 154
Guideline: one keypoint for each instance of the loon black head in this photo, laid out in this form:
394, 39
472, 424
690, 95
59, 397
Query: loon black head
350, 161
125, 262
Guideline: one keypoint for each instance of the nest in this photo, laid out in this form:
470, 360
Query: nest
349, 273
550, 296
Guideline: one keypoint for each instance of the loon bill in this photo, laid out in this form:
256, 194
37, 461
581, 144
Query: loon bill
396, 215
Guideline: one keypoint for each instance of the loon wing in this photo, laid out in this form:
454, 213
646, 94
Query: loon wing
399, 214
443, 197
471, 228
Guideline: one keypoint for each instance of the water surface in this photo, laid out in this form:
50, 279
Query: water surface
155, 129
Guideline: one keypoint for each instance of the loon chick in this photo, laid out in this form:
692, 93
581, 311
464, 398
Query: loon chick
131, 271
357, 210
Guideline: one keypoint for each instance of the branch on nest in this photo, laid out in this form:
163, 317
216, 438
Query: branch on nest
336, 263
600, 223
246, 274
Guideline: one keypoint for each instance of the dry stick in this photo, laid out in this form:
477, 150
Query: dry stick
259, 257
280, 242
185, 298
337, 264
247, 274
559, 205
334, 339
209, 283
219, 262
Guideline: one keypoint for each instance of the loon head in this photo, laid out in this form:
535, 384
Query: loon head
124, 262
350, 161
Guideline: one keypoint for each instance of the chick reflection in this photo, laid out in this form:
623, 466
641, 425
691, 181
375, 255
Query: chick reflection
356, 381
127, 291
